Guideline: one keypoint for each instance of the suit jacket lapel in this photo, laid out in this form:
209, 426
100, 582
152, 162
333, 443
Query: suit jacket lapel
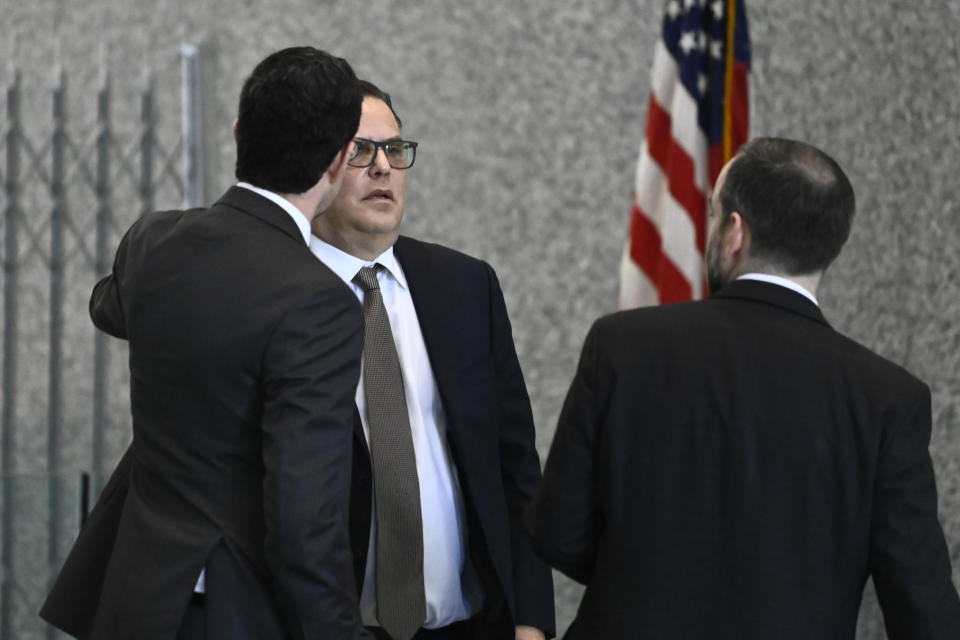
254, 204
429, 292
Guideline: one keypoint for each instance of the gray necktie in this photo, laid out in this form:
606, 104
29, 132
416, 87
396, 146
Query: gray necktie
401, 603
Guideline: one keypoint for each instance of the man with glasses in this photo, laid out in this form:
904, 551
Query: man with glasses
444, 453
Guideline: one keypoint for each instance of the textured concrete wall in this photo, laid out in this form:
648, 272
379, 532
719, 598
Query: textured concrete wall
529, 115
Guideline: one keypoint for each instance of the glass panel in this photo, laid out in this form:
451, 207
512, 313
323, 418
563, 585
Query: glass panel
39, 520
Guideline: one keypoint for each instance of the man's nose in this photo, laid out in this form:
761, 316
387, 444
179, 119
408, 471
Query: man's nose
380, 163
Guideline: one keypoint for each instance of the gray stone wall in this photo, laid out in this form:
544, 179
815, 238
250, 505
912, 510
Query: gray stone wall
529, 115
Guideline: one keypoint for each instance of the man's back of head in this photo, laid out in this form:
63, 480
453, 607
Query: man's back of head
298, 108
796, 200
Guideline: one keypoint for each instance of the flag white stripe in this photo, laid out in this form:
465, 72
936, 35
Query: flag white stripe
677, 233
636, 289
649, 185
673, 98
665, 74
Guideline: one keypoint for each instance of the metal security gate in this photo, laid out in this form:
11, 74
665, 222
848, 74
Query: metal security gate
68, 192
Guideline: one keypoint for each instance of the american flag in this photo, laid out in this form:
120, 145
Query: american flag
697, 118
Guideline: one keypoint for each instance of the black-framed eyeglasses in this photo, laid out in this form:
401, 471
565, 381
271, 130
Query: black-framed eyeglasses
400, 153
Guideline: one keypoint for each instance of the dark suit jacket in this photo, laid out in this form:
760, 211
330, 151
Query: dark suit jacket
734, 468
244, 360
490, 432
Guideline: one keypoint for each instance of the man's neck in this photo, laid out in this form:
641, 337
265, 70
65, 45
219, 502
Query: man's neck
361, 245
805, 285
316, 198
307, 206
809, 281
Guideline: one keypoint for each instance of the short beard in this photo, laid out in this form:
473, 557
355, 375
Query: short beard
716, 277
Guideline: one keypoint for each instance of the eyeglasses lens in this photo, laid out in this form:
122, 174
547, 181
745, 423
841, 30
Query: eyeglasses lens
399, 154
363, 152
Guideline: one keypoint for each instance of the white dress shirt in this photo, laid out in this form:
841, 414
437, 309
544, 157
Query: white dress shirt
304, 225
298, 216
783, 282
452, 588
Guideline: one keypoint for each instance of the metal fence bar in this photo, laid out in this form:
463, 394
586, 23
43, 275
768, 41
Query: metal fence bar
148, 124
199, 148
55, 389
191, 145
11, 277
103, 192
57, 214
11, 268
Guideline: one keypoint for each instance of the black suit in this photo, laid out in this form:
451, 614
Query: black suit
734, 468
244, 359
490, 432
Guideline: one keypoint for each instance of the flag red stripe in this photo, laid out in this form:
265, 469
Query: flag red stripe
674, 287
678, 166
644, 242
715, 160
645, 250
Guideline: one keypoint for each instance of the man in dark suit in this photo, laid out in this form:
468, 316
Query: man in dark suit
473, 443
227, 518
735, 468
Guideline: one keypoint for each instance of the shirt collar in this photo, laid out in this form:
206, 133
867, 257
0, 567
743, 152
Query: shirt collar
346, 266
302, 222
783, 282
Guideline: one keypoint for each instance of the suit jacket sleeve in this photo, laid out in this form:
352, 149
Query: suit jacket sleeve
312, 366
909, 558
520, 468
565, 516
106, 309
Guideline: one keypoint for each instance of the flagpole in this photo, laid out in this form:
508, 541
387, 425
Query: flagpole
728, 80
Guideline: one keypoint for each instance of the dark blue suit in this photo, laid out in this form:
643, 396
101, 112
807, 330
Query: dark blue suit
491, 436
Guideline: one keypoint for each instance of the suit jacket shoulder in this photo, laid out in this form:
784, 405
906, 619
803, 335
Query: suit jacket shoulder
417, 254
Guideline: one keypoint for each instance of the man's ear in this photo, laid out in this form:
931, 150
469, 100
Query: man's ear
337, 166
736, 240
236, 138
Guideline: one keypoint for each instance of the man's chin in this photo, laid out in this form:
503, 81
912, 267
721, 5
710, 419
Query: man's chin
380, 227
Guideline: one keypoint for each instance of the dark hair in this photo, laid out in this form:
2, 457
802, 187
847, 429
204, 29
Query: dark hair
298, 108
371, 90
796, 199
